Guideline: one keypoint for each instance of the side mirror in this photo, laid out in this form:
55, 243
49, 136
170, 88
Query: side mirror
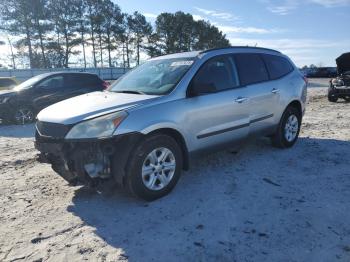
197, 89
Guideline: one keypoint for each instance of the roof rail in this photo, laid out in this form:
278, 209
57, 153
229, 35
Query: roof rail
231, 47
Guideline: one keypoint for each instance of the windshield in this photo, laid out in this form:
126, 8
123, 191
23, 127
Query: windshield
29, 83
155, 77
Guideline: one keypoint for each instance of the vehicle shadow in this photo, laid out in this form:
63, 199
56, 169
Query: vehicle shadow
342, 101
205, 215
17, 131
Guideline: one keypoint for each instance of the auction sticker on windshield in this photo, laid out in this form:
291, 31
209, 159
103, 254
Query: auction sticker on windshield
182, 63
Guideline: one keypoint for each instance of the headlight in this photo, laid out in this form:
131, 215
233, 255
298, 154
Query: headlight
100, 127
337, 82
4, 100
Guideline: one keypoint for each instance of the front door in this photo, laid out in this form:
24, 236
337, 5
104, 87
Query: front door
220, 113
49, 91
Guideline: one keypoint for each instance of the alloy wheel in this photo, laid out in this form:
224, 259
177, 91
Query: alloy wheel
291, 128
24, 115
158, 168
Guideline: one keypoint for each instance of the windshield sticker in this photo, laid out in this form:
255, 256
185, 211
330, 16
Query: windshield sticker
182, 63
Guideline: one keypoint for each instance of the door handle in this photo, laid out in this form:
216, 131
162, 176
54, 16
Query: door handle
275, 91
241, 99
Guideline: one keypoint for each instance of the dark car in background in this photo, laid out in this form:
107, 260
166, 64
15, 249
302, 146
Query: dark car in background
339, 87
21, 104
8, 83
321, 72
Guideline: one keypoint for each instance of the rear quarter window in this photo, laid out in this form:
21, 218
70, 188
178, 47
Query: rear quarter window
251, 69
277, 66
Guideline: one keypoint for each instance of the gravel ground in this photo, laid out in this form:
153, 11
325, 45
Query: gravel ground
260, 204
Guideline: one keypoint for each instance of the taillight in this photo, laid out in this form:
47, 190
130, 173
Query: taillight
105, 84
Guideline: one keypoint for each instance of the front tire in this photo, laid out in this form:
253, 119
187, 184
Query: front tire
154, 167
332, 97
287, 132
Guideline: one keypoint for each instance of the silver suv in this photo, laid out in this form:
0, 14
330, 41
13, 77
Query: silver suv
144, 130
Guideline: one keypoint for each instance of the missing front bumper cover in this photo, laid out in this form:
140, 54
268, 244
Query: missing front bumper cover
86, 161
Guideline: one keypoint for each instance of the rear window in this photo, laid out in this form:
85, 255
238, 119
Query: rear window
84, 80
7, 82
251, 68
277, 66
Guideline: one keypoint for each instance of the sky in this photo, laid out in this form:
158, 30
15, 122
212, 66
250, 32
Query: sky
309, 31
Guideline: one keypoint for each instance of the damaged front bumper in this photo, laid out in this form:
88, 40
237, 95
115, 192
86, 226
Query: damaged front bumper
340, 90
88, 160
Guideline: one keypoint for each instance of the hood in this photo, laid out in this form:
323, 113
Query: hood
343, 63
90, 105
6, 92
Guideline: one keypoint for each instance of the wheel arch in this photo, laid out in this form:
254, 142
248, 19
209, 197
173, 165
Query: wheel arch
177, 136
296, 104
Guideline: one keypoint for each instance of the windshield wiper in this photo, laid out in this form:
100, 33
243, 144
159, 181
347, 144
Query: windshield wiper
130, 92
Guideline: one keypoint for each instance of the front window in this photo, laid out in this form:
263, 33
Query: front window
52, 82
7, 82
217, 74
29, 83
155, 77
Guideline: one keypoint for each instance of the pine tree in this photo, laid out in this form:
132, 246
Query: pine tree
179, 32
141, 31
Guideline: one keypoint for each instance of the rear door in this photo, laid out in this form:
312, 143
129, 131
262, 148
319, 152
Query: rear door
222, 114
263, 94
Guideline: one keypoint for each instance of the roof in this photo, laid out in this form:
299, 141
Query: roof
67, 72
197, 53
240, 47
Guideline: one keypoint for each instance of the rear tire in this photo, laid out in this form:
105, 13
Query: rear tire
154, 167
287, 132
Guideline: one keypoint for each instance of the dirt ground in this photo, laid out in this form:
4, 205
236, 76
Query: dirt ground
260, 204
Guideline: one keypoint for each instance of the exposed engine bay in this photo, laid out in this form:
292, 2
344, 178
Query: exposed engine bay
339, 87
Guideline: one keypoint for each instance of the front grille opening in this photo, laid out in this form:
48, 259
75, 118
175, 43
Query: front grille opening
52, 130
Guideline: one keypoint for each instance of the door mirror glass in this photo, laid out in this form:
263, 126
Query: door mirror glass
197, 88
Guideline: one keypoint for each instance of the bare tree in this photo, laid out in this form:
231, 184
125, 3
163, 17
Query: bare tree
17, 20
